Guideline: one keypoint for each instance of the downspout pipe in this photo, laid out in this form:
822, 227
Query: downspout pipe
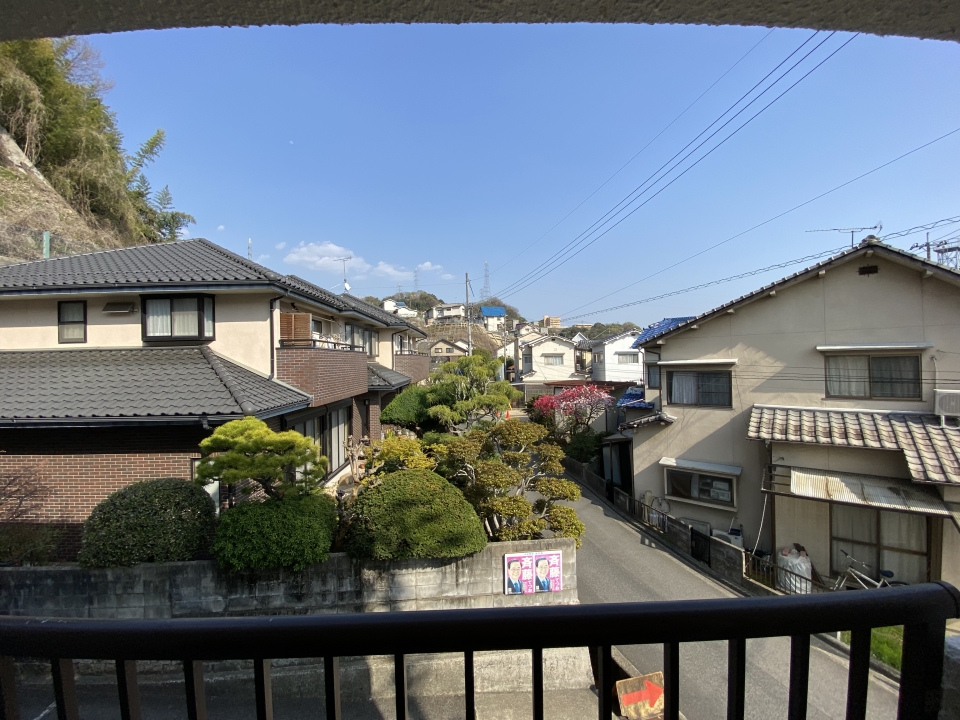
273, 350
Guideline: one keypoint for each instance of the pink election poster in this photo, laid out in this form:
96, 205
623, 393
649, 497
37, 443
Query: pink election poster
529, 573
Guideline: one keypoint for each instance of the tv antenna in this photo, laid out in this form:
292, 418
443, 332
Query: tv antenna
344, 260
878, 227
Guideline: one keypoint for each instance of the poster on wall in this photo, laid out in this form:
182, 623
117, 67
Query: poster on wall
531, 573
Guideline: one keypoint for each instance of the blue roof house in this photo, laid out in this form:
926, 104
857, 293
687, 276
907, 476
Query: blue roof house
494, 318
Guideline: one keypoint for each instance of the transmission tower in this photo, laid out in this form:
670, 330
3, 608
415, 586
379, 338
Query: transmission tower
416, 280
485, 290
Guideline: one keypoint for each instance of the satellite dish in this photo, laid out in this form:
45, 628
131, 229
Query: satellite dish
346, 287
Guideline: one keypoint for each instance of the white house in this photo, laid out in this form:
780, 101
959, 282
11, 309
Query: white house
547, 358
445, 313
614, 358
399, 309
493, 318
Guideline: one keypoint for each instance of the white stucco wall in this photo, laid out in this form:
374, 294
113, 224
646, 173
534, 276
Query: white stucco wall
546, 373
610, 370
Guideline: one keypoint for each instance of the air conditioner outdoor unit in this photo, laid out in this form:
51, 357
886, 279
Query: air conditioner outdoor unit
946, 402
727, 537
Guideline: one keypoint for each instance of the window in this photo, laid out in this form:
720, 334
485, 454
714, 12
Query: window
628, 358
880, 538
653, 376
371, 342
873, 376
439, 351
449, 351
189, 317
552, 359
699, 388
598, 358
400, 344
72, 322
703, 488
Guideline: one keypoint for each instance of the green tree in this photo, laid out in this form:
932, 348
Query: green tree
466, 391
408, 409
284, 464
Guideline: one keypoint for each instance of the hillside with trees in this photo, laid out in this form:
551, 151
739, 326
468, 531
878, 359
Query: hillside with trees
598, 330
63, 166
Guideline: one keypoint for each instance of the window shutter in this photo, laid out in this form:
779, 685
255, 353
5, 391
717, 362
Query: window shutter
296, 326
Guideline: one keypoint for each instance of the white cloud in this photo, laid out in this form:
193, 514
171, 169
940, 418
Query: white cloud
291, 142
429, 267
446, 276
322, 256
280, 246
262, 258
221, 227
391, 271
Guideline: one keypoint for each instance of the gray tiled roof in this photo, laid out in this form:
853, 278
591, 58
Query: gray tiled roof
184, 263
932, 452
63, 386
380, 377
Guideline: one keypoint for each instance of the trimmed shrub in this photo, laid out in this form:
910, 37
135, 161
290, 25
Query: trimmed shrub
584, 446
413, 514
408, 409
289, 534
153, 521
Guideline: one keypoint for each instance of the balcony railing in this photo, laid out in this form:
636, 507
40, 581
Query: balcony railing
922, 609
323, 344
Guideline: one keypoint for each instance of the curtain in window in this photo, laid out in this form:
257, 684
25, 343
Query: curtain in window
158, 317
714, 388
628, 358
847, 375
71, 312
72, 327
854, 529
683, 388
208, 317
653, 376
184, 317
907, 532
895, 377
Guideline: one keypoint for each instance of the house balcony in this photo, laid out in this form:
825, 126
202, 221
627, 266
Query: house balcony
414, 365
922, 609
328, 371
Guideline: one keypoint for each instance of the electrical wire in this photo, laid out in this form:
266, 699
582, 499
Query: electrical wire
631, 195
688, 169
777, 217
922, 228
637, 154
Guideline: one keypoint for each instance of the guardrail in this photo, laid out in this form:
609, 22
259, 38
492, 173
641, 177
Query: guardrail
922, 609
653, 519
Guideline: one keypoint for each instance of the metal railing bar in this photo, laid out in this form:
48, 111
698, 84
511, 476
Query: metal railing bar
331, 686
263, 687
858, 677
605, 681
736, 677
469, 686
400, 681
65, 689
537, 683
440, 631
799, 677
921, 671
9, 709
194, 690
128, 690
671, 681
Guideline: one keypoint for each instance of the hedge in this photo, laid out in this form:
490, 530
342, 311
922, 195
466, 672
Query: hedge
413, 514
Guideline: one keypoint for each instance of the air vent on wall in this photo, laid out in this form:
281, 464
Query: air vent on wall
868, 270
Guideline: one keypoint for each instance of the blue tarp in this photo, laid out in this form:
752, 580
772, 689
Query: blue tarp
492, 311
657, 328
633, 398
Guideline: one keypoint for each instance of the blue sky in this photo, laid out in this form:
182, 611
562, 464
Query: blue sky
441, 147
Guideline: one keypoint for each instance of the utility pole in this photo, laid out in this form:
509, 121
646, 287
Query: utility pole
466, 307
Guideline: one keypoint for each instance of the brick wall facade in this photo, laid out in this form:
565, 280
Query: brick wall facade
79, 467
415, 367
328, 375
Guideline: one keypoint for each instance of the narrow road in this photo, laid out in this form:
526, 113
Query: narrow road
618, 563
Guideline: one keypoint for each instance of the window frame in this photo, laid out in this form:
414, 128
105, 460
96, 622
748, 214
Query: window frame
201, 322
60, 323
668, 390
870, 356
621, 355
596, 358
544, 356
879, 546
695, 477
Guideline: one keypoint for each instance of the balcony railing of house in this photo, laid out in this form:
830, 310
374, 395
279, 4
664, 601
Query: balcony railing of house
408, 352
322, 344
922, 609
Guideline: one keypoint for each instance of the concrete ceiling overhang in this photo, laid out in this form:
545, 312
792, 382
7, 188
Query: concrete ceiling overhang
934, 19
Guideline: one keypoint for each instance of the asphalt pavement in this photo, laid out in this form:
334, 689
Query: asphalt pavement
619, 563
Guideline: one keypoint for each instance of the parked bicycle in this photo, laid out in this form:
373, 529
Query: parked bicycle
859, 579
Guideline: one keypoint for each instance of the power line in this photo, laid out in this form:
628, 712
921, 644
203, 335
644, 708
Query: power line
772, 219
759, 271
922, 228
637, 154
699, 160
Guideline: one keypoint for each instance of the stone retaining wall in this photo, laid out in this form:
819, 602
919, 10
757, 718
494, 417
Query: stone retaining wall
340, 585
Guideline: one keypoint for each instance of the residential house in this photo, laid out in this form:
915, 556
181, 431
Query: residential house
614, 358
115, 364
443, 351
524, 332
398, 308
544, 359
493, 318
445, 313
811, 411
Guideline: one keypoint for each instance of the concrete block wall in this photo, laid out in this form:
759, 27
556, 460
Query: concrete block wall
678, 534
727, 561
340, 585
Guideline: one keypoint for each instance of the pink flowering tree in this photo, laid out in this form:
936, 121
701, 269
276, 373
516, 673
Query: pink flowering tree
574, 409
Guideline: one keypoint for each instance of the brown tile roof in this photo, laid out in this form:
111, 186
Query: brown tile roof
932, 451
